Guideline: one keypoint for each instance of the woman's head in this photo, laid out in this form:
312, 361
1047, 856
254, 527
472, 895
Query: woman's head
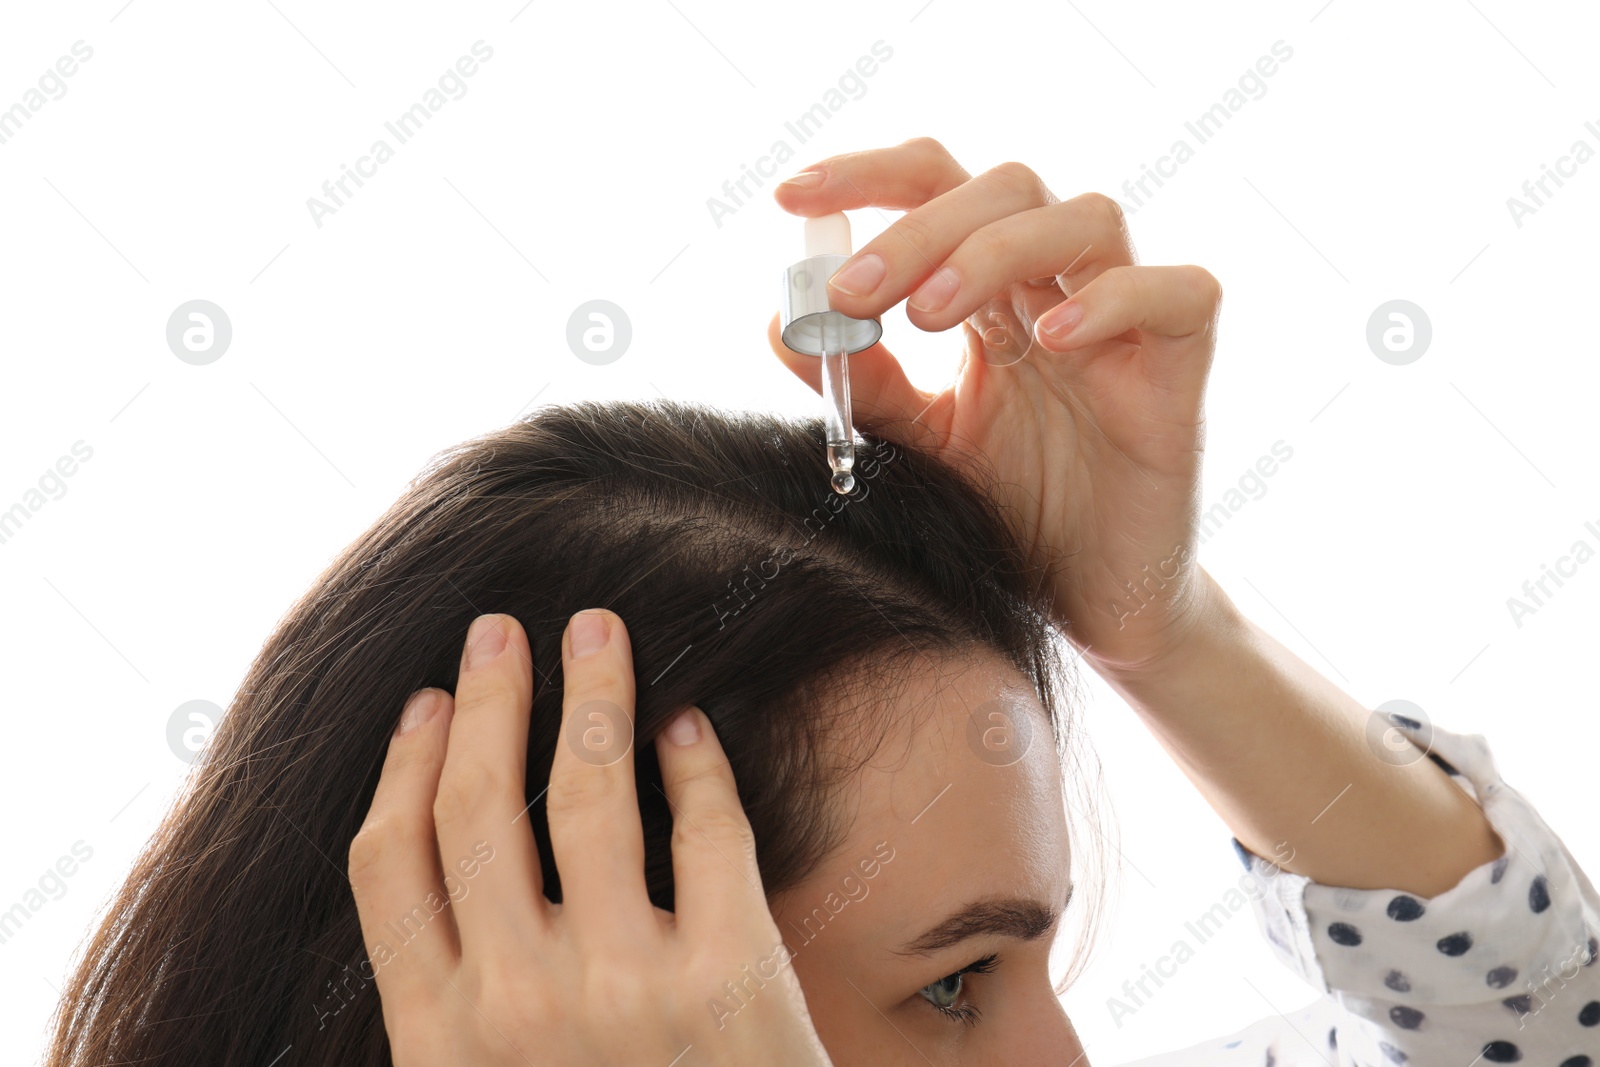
849, 651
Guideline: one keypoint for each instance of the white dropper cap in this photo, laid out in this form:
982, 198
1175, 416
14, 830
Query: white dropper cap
828, 235
806, 307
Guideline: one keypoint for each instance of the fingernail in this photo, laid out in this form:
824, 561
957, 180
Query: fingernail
860, 276
684, 730
806, 179
937, 291
589, 631
486, 637
418, 710
1060, 320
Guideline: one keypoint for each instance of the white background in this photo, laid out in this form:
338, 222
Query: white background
433, 306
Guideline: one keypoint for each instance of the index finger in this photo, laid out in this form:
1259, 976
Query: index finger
900, 178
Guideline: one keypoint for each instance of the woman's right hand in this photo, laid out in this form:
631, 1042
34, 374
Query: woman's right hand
1093, 433
474, 964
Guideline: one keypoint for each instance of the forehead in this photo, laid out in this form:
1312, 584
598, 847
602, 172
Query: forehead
963, 790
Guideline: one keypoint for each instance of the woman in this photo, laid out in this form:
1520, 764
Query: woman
533, 883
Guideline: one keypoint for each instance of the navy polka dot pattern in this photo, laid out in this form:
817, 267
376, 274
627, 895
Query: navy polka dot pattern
1539, 894
1501, 977
1498, 969
1344, 934
1446, 765
1404, 908
1406, 1018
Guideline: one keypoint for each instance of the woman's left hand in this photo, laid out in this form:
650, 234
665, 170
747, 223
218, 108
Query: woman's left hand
1094, 430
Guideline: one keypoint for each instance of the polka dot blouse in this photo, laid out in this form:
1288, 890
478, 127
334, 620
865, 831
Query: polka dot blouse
1501, 968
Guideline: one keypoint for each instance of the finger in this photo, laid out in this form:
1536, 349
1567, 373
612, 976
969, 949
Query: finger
485, 842
900, 178
1073, 240
908, 254
716, 882
593, 805
906, 177
880, 392
394, 860
1172, 307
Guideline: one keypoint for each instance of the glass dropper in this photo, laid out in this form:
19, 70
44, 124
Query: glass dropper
836, 407
812, 326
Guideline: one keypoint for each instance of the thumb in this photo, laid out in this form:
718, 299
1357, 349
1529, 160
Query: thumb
880, 392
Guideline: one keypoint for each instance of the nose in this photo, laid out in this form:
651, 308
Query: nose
1048, 1037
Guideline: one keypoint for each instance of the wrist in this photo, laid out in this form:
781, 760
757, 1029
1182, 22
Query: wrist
1206, 621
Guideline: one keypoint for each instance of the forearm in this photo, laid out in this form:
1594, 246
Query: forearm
1282, 754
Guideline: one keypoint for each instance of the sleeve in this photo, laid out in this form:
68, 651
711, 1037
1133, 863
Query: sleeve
1500, 968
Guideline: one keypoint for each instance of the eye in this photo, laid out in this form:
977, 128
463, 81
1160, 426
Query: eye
945, 994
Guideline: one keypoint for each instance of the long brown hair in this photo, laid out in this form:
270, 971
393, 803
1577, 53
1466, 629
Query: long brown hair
748, 588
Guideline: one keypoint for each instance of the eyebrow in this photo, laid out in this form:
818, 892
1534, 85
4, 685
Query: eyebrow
1022, 918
